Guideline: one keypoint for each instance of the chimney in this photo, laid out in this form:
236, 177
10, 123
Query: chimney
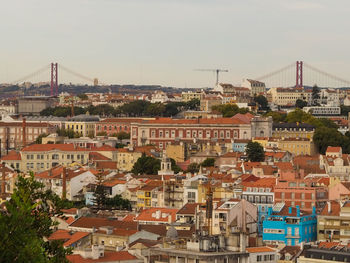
290, 210
24, 135
329, 207
3, 183
64, 183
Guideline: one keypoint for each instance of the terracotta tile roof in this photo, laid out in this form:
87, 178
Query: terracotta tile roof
90, 222
98, 156
335, 209
188, 209
284, 166
120, 120
112, 165
12, 156
151, 185
60, 234
57, 172
328, 245
109, 256
75, 237
171, 121
113, 181
52, 147
69, 220
129, 218
333, 149
259, 249
262, 182
150, 214
104, 148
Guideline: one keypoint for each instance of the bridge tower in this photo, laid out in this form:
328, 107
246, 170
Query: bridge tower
54, 79
299, 70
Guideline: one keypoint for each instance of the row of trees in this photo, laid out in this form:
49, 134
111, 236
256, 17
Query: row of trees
229, 110
132, 109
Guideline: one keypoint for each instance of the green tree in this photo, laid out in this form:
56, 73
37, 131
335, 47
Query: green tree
39, 139
193, 104
209, 162
276, 116
123, 135
262, 102
174, 166
27, 221
255, 152
100, 195
229, 110
300, 103
155, 109
193, 168
118, 202
315, 95
146, 165
324, 137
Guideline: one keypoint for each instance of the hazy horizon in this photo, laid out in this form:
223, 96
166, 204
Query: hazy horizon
161, 42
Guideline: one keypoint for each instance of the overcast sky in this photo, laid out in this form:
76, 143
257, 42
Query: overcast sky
163, 41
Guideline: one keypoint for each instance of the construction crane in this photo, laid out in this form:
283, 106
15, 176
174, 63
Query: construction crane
217, 71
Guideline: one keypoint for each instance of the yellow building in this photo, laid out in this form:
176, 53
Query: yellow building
190, 95
293, 130
127, 157
148, 193
288, 96
297, 146
176, 152
83, 124
41, 157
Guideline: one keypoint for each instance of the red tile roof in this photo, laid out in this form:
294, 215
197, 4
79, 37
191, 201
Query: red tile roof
12, 156
90, 222
333, 149
109, 256
149, 214
75, 237
52, 147
60, 234
98, 156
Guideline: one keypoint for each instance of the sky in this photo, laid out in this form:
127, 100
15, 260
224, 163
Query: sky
161, 42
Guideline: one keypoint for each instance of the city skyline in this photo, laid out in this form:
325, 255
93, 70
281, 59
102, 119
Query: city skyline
162, 42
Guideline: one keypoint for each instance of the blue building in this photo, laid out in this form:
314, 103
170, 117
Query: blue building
239, 145
289, 225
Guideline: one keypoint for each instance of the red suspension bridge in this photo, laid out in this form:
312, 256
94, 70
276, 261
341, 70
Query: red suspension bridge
297, 74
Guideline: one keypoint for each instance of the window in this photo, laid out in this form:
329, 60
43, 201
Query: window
227, 134
188, 134
172, 134
160, 134
166, 134
289, 242
208, 134
289, 231
181, 133
259, 258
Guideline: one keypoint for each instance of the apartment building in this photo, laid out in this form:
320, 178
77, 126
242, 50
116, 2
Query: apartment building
14, 135
112, 126
288, 96
294, 189
164, 131
190, 95
289, 226
255, 87
333, 222
83, 124
41, 157
336, 163
293, 130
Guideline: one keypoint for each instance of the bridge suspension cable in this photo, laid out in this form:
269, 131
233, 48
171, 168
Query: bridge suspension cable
327, 74
31, 75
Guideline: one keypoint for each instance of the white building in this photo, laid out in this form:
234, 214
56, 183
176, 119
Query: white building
255, 87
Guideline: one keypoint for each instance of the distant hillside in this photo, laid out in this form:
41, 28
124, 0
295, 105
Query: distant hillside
11, 91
